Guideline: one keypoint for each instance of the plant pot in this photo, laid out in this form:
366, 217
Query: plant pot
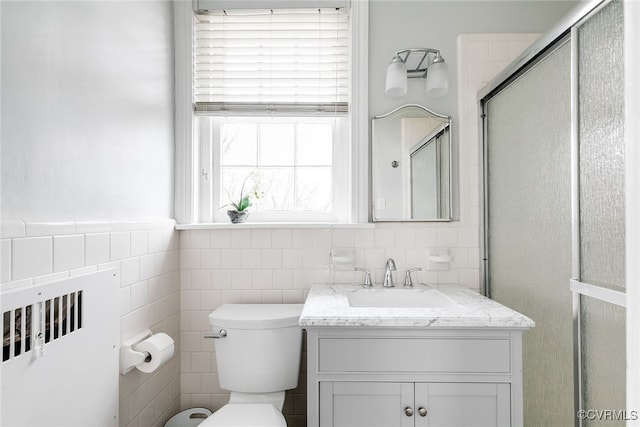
237, 217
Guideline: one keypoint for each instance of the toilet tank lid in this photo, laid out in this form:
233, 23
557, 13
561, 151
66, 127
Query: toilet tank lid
255, 316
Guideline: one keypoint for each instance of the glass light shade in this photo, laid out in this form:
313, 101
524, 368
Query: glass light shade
396, 84
437, 83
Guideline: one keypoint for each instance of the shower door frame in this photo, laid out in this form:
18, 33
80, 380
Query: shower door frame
567, 28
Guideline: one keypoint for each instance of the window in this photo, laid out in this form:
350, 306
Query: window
271, 95
297, 163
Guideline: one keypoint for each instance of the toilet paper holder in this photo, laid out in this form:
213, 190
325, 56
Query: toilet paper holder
129, 357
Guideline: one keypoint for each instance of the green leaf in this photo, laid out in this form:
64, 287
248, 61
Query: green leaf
244, 203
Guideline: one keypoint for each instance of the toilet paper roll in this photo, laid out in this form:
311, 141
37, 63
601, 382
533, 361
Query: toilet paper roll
160, 349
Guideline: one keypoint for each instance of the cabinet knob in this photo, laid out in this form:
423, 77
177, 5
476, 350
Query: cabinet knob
422, 411
408, 411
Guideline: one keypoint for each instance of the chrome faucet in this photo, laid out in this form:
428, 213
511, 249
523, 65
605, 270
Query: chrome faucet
388, 277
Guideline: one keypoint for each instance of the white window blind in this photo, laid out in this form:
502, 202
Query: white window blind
279, 61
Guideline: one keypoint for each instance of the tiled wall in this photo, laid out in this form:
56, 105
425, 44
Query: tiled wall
279, 265
147, 254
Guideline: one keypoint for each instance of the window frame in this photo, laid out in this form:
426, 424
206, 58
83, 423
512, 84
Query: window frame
187, 188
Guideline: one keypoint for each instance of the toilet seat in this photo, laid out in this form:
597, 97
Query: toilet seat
246, 415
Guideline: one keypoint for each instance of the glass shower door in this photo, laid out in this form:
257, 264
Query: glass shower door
554, 216
528, 166
599, 232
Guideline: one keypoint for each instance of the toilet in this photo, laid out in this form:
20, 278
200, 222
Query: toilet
258, 359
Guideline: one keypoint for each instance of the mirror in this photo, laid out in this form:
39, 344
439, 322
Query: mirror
411, 165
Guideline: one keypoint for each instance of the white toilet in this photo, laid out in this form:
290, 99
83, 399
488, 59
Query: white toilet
258, 359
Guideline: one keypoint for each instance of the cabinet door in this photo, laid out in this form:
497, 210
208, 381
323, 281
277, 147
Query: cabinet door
365, 404
462, 404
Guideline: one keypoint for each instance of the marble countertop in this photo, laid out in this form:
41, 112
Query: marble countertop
328, 306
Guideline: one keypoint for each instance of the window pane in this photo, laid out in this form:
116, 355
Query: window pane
313, 189
276, 144
291, 159
238, 144
277, 185
315, 143
231, 184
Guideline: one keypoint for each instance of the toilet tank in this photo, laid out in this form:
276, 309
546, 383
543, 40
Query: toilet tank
261, 351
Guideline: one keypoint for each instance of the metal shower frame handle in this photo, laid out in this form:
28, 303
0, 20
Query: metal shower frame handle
418, 72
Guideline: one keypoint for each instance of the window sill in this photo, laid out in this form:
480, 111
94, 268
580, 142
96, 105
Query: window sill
251, 225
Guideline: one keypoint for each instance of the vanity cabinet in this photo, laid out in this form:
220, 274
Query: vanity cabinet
405, 377
388, 404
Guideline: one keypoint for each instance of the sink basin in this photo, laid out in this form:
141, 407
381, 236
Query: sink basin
399, 297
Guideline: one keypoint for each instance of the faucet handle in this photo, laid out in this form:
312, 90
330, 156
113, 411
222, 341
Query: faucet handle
367, 277
408, 283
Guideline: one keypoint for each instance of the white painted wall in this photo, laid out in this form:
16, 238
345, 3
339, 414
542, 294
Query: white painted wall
87, 133
87, 109
395, 25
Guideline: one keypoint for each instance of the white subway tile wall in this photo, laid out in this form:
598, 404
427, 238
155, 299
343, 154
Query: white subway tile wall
147, 254
68, 252
279, 266
31, 257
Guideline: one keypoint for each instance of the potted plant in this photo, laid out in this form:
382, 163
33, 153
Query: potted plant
239, 212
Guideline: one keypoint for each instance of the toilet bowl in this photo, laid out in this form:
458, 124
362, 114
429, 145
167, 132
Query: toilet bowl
246, 415
258, 358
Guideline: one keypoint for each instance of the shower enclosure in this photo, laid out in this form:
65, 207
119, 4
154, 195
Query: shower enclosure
554, 241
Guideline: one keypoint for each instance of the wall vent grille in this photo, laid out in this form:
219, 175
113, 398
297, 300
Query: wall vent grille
33, 326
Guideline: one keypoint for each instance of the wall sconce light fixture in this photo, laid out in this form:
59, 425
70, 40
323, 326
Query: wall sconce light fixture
417, 63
